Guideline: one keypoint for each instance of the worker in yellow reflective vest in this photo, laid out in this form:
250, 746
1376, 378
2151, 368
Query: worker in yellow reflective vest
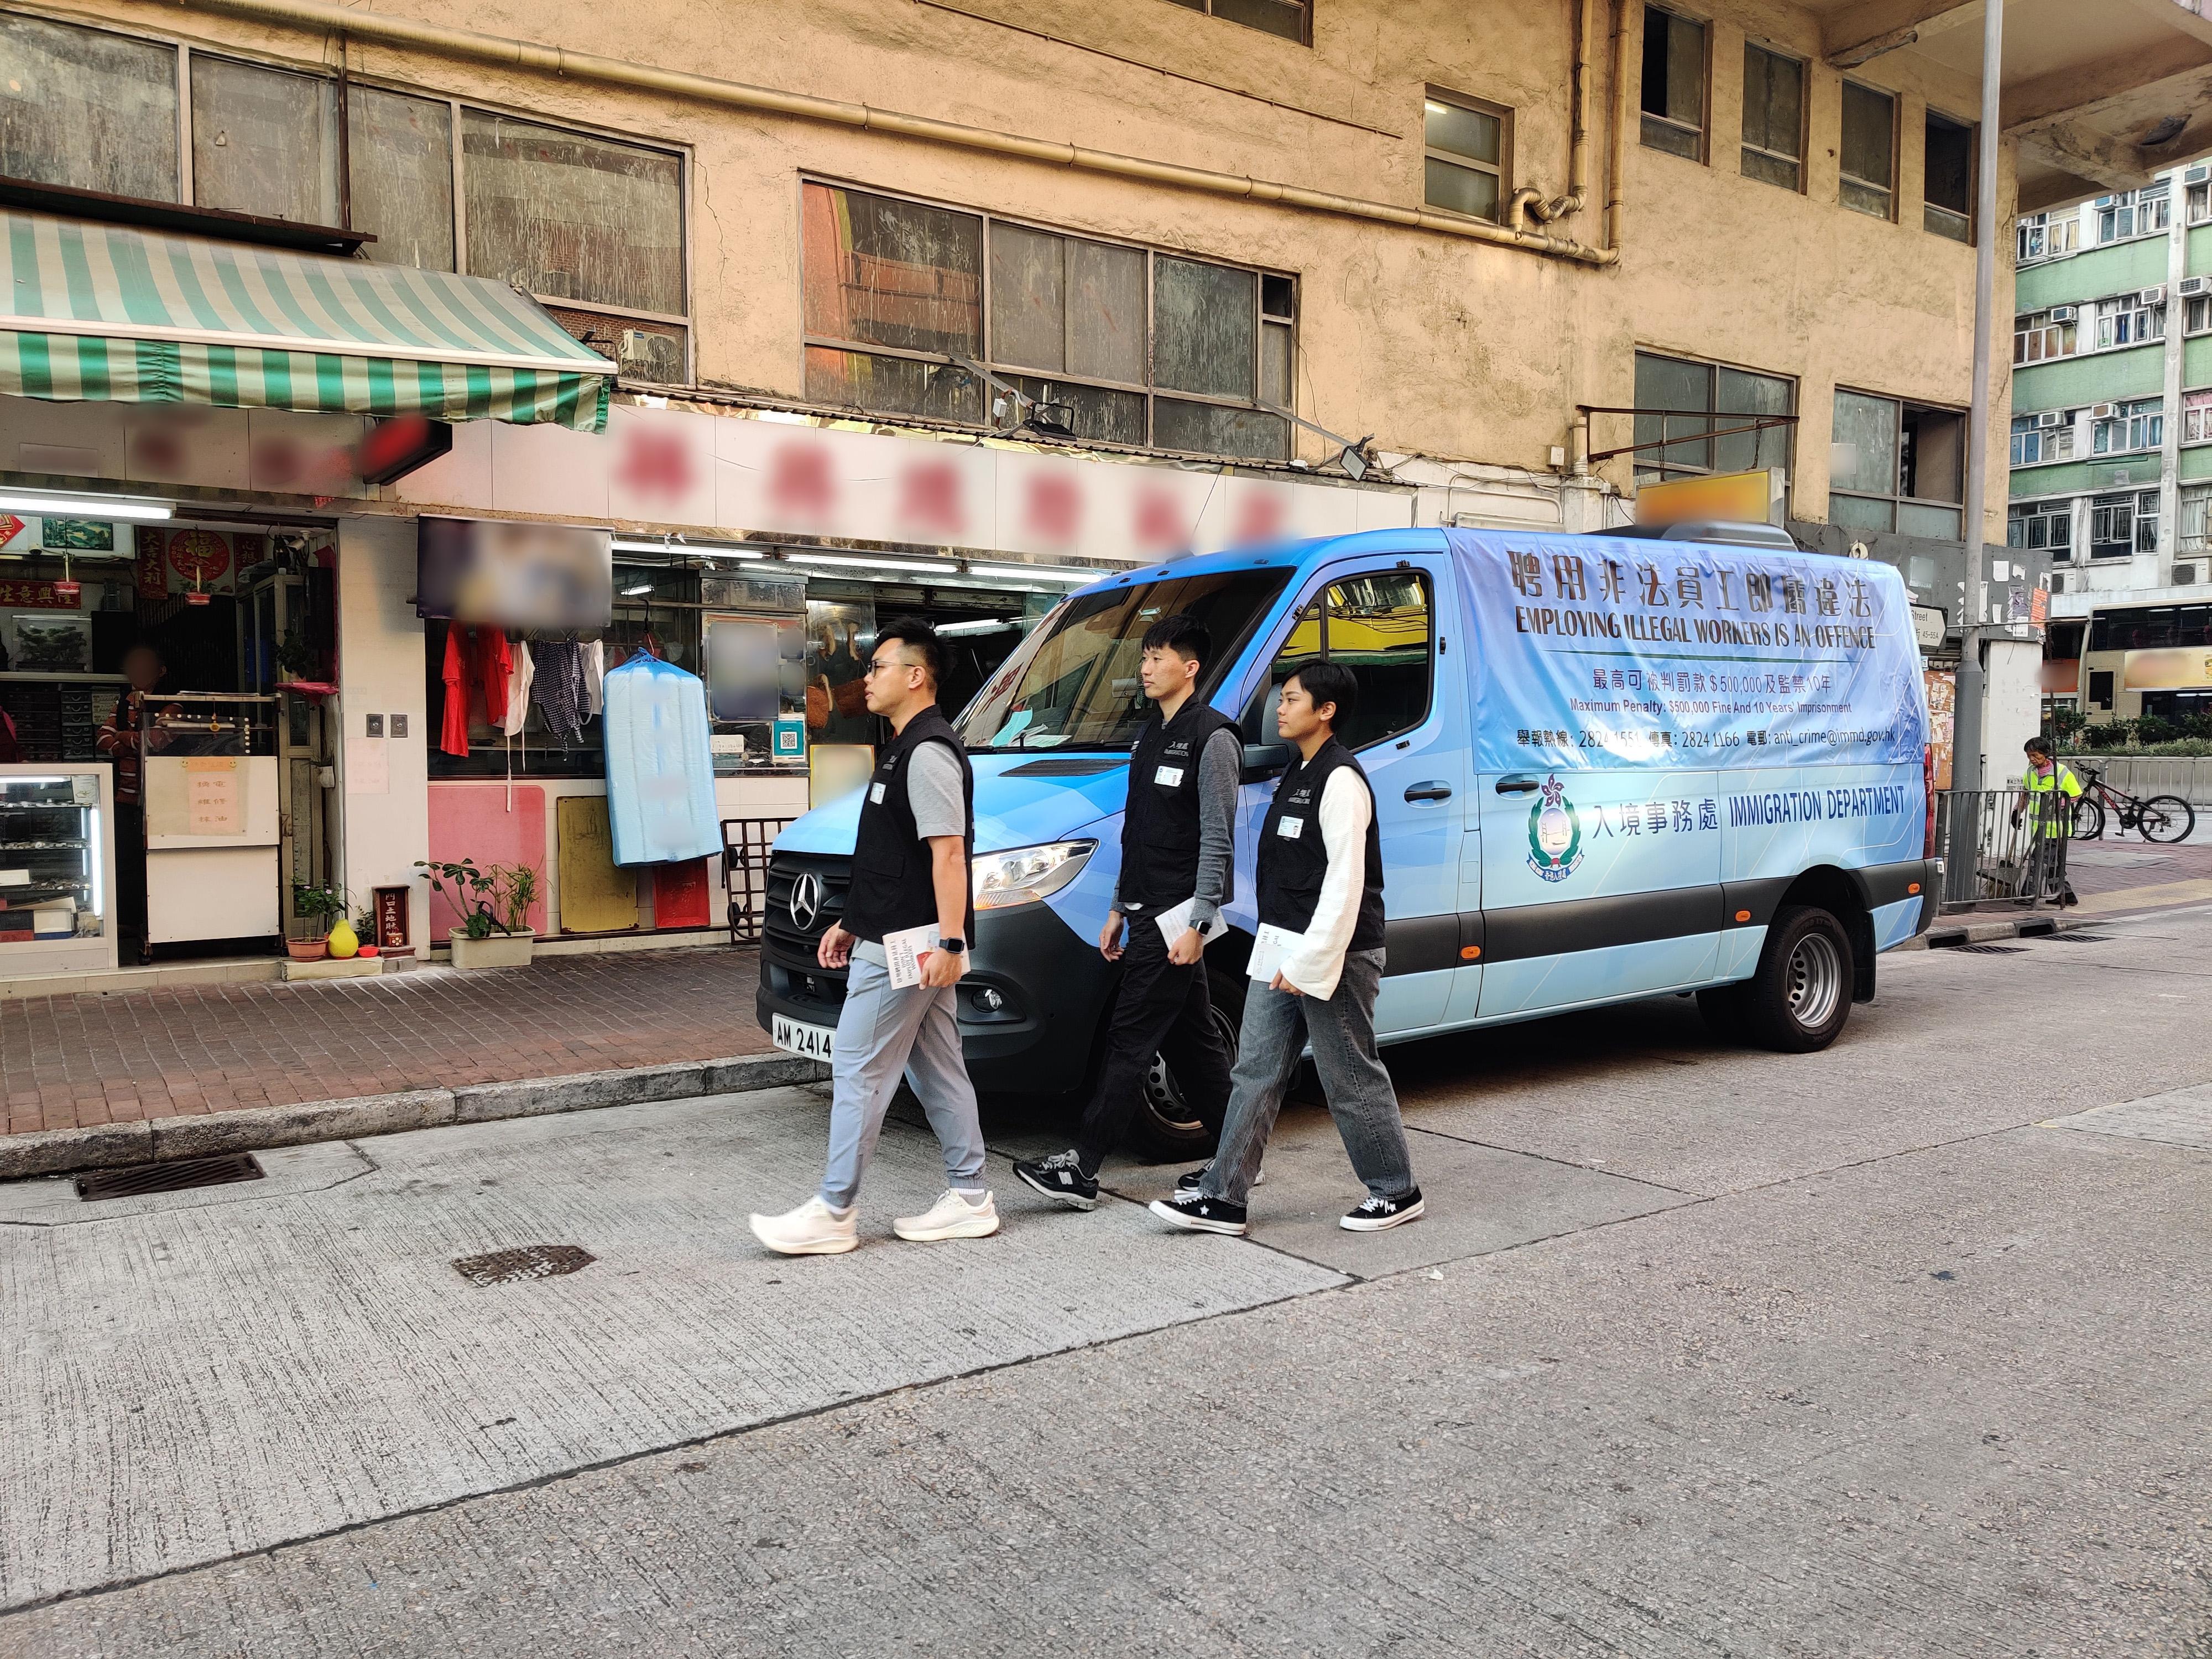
2048, 790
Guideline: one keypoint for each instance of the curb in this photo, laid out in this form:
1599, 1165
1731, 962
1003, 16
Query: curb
1945, 936
110, 1145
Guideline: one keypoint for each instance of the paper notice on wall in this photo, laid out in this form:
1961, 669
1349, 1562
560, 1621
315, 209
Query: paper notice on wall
1269, 946
1174, 922
904, 949
368, 766
214, 796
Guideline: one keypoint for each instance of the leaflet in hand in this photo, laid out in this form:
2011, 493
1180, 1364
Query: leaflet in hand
1174, 922
904, 951
1269, 946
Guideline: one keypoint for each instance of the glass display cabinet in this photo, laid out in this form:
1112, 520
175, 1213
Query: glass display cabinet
56, 868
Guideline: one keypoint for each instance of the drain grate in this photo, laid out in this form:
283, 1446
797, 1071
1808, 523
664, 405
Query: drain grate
1988, 950
2081, 938
177, 1176
524, 1261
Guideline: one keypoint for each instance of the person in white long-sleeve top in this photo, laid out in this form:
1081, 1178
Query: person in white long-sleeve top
1321, 900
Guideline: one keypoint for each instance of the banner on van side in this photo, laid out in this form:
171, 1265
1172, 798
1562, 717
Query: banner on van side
1599, 652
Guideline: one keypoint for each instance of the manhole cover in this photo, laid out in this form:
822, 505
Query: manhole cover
1988, 950
526, 1261
176, 1177
2081, 938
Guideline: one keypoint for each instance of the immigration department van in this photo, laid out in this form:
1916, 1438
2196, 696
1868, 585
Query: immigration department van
1604, 768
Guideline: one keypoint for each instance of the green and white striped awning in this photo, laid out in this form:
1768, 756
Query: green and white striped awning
107, 312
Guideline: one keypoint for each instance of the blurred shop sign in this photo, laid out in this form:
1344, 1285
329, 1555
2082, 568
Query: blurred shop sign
514, 575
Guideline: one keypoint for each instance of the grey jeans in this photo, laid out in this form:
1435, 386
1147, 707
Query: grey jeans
881, 1034
1277, 1026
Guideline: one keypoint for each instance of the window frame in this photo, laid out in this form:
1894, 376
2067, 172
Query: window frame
1930, 118
1704, 127
2147, 413
1262, 320
1896, 498
2192, 501
1264, 681
2151, 330
2052, 511
1503, 172
2190, 414
2101, 509
1843, 176
1656, 471
1804, 113
1303, 38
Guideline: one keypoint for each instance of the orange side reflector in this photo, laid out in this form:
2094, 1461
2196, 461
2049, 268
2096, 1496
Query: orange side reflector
1743, 916
1469, 953
1911, 886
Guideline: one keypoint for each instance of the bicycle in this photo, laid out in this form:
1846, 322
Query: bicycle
2155, 817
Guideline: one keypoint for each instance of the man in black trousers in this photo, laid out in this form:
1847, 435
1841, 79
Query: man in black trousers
1178, 862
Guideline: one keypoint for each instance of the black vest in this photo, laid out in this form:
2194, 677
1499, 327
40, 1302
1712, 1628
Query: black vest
1159, 832
892, 886
1292, 866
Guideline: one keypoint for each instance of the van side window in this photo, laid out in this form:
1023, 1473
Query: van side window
1380, 625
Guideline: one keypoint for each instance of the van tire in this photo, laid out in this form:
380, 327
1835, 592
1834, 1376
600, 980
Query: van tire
1164, 1130
1801, 996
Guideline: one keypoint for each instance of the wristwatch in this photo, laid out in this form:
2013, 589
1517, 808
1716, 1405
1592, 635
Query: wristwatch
952, 946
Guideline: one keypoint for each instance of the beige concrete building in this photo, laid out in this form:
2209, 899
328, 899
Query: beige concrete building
948, 303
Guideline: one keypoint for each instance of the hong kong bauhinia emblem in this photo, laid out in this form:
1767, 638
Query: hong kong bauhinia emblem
1555, 833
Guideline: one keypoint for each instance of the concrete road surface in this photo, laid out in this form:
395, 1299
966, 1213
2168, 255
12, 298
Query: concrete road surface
1900, 1349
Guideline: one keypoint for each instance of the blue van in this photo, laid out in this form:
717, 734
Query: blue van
1605, 768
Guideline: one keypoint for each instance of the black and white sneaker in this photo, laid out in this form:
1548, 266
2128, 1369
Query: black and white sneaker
1377, 1213
1196, 1213
1189, 1179
1061, 1176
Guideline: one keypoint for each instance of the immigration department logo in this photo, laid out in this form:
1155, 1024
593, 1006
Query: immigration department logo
1555, 833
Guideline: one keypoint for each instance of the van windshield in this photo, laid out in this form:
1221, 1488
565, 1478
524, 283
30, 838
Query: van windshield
1074, 684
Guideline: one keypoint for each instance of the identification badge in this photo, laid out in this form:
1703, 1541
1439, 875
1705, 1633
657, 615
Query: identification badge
876, 793
1171, 776
1289, 829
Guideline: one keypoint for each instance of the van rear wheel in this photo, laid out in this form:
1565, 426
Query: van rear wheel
1802, 995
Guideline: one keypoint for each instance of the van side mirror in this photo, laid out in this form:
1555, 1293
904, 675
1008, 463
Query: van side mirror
1263, 761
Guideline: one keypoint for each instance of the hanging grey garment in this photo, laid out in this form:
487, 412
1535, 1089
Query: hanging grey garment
556, 687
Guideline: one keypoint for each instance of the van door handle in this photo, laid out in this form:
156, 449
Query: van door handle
1431, 791
1517, 786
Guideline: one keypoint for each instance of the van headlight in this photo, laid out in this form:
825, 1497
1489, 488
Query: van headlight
1027, 874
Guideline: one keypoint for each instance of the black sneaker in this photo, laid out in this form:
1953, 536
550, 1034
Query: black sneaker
1198, 1214
1189, 1179
1061, 1176
1377, 1213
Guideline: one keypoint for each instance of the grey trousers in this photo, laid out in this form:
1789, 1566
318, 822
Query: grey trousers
881, 1034
1277, 1026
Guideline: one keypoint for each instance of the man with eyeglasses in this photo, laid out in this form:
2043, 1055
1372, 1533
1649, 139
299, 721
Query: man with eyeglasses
910, 869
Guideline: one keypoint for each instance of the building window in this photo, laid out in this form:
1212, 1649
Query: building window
1116, 344
400, 151
1773, 117
1290, 18
2046, 236
1896, 466
2040, 438
1947, 179
2130, 319
1674, 84
2200, 203
265, 141
2142, 212
2192, 533
2128, 427
1691, 401
2040, 525
2122, 525
88, 109
2040, 335
1869, 183
1464, 161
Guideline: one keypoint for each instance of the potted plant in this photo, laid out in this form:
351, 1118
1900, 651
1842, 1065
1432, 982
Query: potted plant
315, 906
493, 902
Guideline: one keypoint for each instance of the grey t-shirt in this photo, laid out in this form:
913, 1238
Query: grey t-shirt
940, 808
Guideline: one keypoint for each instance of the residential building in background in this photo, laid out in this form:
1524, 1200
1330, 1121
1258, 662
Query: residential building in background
944, 307
2112, 443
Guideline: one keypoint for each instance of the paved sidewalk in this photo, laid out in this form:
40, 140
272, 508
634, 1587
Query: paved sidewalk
83, 1061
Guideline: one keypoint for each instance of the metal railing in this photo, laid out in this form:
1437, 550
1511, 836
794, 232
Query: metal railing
1992, 859
746, 843
2185, 775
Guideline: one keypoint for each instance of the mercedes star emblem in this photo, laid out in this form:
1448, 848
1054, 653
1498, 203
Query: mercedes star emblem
805, 900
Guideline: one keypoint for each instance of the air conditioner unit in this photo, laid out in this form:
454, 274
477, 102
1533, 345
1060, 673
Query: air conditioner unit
2193, 286
2188, 575
2152, 297
2196, 175
2107, 201
2051, 417
2058, 581
645, 355
2064, 314
2103, 412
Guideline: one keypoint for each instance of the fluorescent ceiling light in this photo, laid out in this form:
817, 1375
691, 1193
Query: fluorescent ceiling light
85, 507
957, 629
875, 564
632, 544
632, 593
1033, 572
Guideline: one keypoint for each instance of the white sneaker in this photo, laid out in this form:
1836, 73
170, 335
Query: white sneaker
950, 1217
812, 1228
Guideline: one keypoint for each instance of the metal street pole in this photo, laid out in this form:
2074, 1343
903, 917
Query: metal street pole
1967, 731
